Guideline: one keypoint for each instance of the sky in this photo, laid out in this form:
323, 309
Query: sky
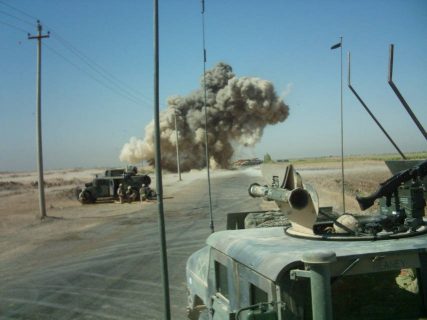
97, 73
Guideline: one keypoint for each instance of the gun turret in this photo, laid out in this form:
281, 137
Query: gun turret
297, 198
292, 198
390, 186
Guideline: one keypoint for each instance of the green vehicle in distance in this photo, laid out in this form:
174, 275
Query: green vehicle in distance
319, 265
104, 187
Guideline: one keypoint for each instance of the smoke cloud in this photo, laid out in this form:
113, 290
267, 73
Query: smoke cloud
238, 109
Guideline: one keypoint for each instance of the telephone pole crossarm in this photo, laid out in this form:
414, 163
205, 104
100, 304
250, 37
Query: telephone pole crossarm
39, 36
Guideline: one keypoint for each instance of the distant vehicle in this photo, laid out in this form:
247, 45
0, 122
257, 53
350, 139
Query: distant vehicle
318, 266
105, 186
282, 160
247, 162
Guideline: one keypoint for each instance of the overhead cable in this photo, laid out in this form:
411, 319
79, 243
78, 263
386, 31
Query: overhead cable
18, 10
14, 27
121, 93
98, 68
109, 80
16, 18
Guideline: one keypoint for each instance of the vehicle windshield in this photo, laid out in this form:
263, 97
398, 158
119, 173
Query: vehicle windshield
385, 295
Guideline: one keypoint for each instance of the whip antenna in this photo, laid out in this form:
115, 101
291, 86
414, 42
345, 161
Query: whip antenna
339, 45
158, 163
211, 223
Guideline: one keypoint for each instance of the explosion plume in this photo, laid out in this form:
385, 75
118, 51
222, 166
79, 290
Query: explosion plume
238, 109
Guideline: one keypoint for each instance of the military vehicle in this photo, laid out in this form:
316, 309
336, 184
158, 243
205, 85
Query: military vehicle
104, 187
315, 263
350, 267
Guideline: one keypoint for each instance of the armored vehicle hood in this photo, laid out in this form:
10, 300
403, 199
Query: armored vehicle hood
271, 251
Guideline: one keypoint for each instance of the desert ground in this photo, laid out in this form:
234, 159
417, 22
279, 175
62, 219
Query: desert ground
102, 261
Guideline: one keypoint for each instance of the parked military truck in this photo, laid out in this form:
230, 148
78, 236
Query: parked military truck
104, 187
350, 267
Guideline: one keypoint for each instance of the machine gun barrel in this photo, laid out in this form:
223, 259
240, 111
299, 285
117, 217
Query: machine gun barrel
297, 198
388, 187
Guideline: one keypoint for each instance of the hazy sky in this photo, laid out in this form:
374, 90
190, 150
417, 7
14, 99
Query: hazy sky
92, 107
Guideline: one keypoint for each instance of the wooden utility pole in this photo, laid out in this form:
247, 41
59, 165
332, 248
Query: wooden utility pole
177, 148
39, 38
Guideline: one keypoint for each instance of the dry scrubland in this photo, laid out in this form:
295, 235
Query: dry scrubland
21, 229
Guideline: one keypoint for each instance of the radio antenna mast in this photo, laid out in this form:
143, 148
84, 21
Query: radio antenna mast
158, 162
211, 223
339, 45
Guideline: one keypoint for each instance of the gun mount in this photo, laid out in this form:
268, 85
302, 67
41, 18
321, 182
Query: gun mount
298, 198
390, 187
401, 207
292, 198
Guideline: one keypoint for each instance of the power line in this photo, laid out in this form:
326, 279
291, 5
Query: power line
14, 27
15, 17
109, 80
98, 69
18, 10
94, 78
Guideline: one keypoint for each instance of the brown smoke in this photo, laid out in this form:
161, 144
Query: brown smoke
238, 109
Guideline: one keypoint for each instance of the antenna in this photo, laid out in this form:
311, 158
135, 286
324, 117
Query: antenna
339, 45
397, 92
158, 159
369, 111
211, 223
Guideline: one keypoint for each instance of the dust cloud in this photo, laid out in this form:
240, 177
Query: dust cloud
238, 109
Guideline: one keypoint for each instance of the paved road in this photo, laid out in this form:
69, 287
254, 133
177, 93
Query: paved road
112, 271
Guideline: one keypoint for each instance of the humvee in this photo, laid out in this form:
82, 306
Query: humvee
350, 267
105, 186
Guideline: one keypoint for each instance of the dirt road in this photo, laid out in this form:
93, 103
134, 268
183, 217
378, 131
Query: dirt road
111, 269
102, 261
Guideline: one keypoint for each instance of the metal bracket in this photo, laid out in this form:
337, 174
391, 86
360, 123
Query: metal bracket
297, 273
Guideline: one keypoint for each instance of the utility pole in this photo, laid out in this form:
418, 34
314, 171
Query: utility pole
177, 148
39, 38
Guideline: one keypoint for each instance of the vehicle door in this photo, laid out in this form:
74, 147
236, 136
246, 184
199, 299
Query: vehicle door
112, 188
103, 188
220, 284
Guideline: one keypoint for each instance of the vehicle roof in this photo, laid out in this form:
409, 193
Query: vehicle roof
270, 250
119, 177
